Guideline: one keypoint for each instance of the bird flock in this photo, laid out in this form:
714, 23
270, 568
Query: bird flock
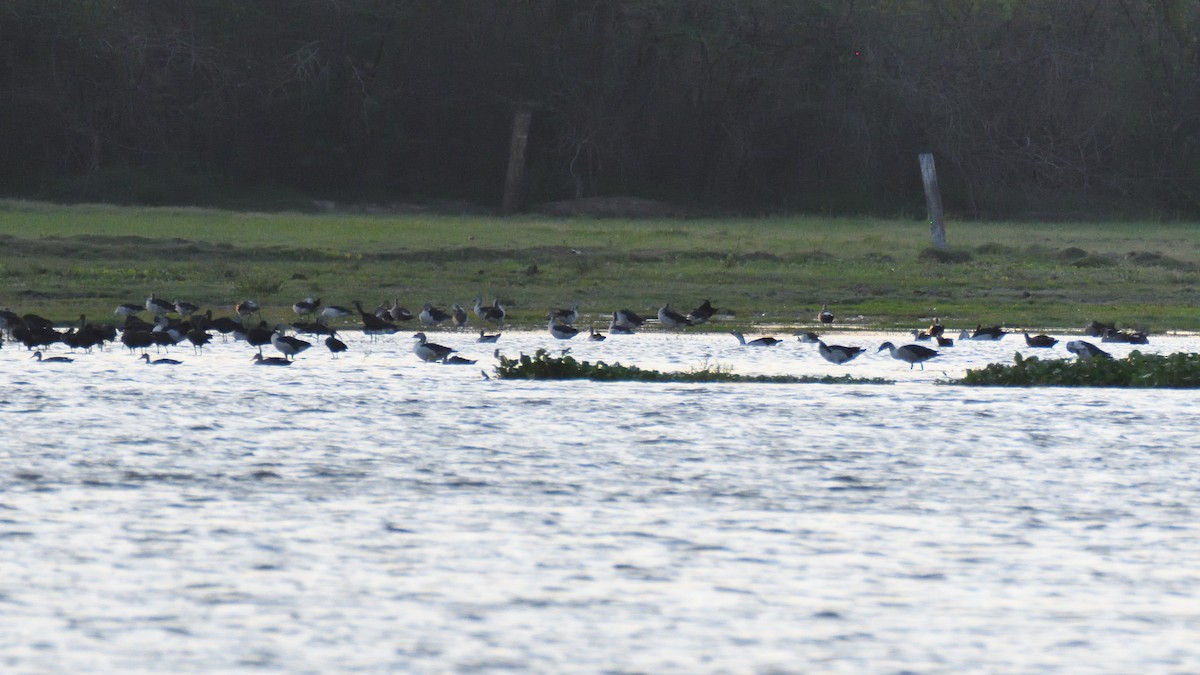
179, 322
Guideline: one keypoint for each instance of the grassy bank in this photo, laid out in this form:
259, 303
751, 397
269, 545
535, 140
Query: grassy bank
61, 261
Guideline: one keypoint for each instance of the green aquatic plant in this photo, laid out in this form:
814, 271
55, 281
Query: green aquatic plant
1174, 371
542, 366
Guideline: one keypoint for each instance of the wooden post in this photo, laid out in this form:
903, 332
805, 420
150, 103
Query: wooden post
516, 158
933, 201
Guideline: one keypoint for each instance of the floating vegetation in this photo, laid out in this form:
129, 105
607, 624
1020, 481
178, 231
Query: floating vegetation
542, 366
1174, 371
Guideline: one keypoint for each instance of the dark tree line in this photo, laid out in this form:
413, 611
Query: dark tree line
1074, 107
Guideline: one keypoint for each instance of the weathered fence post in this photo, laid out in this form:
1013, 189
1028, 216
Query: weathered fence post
516, 158
933, 200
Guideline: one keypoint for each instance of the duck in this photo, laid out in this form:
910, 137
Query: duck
1039, 341
51, 359
921, 335
594, 336
910, 354
561, 331
432, 316
335, 345
565, 316
159, 362
485, 338
757, 342
260, 360
428, 351
287, 345
808, 337
936, 328
825, 316
838, 354
455, 360
458, 315
701, 314
944, 341
1085, 350
306, 307
671, 319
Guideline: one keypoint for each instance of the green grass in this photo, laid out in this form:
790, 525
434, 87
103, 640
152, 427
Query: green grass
61, 261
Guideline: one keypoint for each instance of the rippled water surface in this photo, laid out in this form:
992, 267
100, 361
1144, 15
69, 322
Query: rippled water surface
376, 513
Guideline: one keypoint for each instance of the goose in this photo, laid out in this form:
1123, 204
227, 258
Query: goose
493, 314
373, 325
758, 342
910, 354
428, 351
1039, 341
335, 345
702, 313
484, 337
287, 345
259, 336
562, 332
247, 308
944, 341
808, 337
432, 316
921, 335
1098, 328
260, 360
988, 333
458, 315
671, 319
128, 309
565, 316
628, 319
837, 353
311, 328
198, 338
825, 316
184, 308
306, 307
615, 327
398, 313
594, 336
50, 359
333, 313
159, 362
158, 306
1086, 350
137, 339
1127, 337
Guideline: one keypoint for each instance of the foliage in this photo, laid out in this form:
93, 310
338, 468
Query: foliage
1178, 371
542, 366
1032, 108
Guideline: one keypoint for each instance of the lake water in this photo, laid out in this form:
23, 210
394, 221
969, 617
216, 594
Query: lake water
375, 513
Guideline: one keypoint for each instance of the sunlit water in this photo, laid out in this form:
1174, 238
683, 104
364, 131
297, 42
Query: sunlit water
375, 513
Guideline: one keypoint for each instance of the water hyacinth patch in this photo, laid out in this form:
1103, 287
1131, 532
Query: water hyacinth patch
1175, 371
542, 366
